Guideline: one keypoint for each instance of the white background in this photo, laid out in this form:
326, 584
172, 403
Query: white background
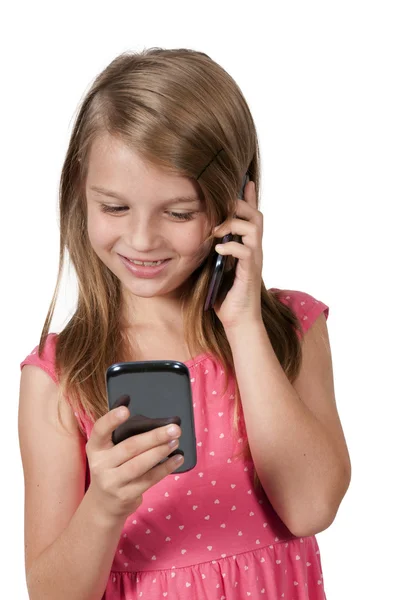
321, 81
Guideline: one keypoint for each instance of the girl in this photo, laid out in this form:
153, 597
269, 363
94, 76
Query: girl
155, 162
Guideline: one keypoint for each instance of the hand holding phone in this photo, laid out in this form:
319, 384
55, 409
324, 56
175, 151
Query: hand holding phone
156, 393
221, 282
120, 474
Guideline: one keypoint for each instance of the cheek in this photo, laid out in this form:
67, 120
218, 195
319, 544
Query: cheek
191, 242
99, 232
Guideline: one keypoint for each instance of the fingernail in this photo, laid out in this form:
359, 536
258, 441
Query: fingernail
172, 430
178, 458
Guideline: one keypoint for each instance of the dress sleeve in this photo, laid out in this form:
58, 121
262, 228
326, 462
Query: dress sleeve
47, 359
47, 363
306, 307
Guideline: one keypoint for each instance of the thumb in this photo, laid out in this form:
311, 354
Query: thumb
123, 400
101, 436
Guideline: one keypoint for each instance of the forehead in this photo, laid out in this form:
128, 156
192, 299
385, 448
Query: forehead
115, 166
109, 156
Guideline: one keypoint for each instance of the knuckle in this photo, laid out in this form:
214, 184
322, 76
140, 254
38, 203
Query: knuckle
162, 454
162, 471
159, 454
95, 467
166, 450
155, 435
134, 470
124, 497
170, 466
132, 446
161, 435
108, 486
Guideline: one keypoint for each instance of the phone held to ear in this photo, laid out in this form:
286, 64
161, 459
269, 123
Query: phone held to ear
160, 394
221, 281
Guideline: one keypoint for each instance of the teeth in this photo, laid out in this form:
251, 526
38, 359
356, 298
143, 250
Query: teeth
146, 264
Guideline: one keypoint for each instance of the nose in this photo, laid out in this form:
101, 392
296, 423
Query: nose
142, 235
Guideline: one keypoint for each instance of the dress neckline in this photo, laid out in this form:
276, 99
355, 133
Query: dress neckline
196, 359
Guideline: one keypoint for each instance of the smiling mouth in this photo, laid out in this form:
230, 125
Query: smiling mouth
146, 263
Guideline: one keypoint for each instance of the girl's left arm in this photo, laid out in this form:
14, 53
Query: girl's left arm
296, 441
294, 432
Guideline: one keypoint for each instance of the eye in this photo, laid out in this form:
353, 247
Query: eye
113, 209
182, 216
186, 216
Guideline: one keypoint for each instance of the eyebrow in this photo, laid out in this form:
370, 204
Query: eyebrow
176, 200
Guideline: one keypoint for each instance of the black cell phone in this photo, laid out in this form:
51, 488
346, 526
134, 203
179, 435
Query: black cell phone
156, 393
221, 281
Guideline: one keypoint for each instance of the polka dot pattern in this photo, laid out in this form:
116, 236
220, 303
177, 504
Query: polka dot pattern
210, 533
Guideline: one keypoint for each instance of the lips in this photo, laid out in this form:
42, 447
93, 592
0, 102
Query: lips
145, 271
144, 259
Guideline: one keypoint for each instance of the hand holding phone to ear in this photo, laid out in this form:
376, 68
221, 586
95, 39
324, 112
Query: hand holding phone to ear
242, 303
220, 281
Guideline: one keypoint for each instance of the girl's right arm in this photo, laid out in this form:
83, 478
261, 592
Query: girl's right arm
71, 537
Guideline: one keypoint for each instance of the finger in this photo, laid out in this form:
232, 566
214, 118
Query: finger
123, 400
140, 465
234, 249
247, 210
101, 435
137, 444
244, 214
251, 240
250, 196
236, 227
154, 475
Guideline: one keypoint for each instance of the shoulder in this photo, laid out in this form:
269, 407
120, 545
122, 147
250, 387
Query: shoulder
46, 361
306, 307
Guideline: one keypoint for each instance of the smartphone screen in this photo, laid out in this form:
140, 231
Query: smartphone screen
158, 390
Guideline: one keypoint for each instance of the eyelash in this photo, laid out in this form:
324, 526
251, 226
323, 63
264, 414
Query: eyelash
119, 209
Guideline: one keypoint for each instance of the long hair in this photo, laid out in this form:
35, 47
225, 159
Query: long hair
185, 114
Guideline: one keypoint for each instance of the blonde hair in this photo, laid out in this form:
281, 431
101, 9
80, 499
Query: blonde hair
177, 108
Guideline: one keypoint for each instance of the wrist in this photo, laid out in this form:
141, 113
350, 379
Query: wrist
241, 329
102, 518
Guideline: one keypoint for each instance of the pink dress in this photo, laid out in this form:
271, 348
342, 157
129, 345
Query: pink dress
208, 534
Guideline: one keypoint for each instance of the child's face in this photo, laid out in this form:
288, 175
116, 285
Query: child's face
144, 229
